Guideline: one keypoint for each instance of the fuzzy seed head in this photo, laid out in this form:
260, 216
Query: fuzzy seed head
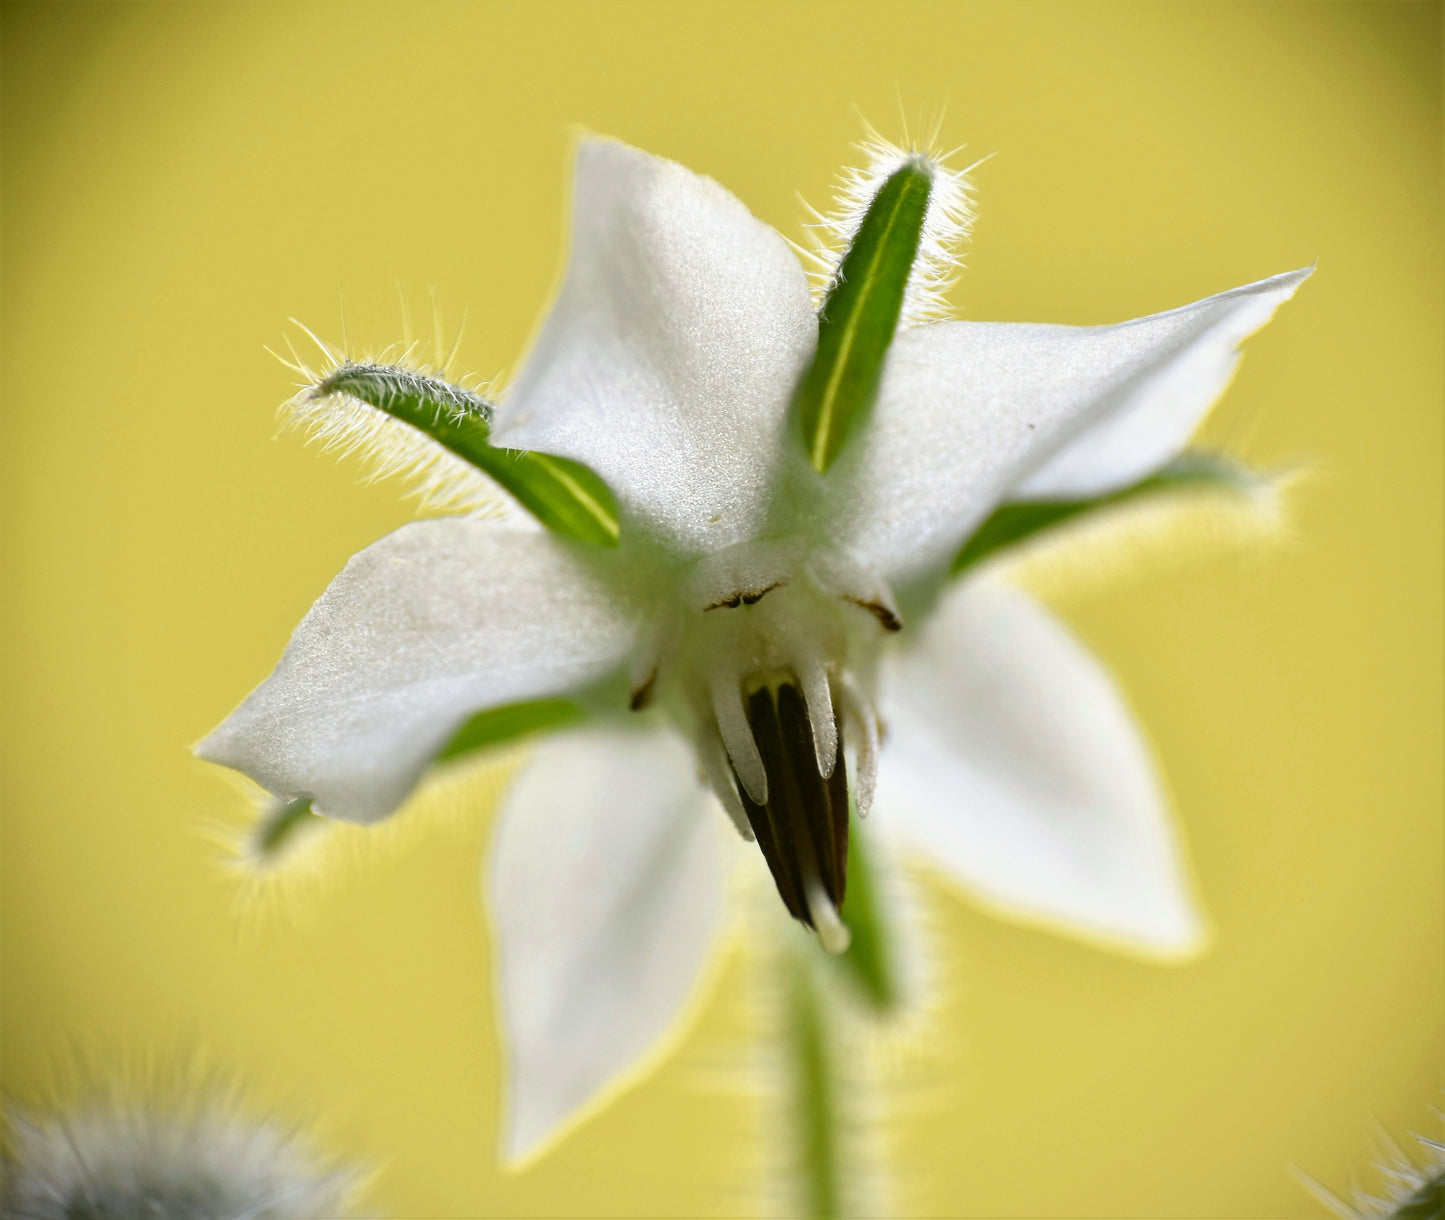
117, 1161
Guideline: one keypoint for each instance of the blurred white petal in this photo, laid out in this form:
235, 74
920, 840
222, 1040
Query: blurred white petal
1014, 765
606, 884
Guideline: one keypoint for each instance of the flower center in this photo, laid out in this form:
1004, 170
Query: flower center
769, 660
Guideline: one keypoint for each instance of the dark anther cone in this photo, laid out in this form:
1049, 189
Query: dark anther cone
805, 822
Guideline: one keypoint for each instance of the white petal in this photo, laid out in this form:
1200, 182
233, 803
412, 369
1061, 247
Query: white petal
606, 885
669, 357
1015, 766
1152, 423
436, 621
968, 411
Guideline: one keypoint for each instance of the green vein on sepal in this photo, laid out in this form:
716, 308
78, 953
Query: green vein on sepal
498, 725
1023, 520
565, 496
868, 962
281, 825
860, 315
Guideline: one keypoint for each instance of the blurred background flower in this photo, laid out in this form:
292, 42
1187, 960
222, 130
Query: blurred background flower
174, 1146
177, 180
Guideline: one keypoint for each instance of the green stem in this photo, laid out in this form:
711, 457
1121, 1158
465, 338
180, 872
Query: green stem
814, 1104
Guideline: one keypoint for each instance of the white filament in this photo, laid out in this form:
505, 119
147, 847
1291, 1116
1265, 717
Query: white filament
861, 712
737, 735
720, 780
813, 676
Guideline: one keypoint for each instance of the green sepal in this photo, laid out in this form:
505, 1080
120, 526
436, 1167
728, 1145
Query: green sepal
860, 315
282, 824
869, 960
1021, 521
498, 725
565, 496
1427, 1203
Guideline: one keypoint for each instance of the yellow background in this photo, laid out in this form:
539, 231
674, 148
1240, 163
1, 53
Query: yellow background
179, 179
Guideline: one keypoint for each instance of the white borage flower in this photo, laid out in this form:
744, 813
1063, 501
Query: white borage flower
117, 1159
767, 522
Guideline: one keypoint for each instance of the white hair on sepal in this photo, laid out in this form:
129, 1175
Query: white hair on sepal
277, 885
1406, 1183
1101, 549
175, 1147
343, 425
946, 226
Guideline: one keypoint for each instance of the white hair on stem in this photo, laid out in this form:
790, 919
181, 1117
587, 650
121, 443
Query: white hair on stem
885, 1063
344, 425
946, 226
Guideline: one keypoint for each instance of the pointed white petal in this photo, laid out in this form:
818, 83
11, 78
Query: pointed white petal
436, 621
606, 885
1152, 423
969, 411
1014, 765
669, 357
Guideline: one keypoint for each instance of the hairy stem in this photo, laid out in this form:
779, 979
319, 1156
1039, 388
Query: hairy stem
814, 1100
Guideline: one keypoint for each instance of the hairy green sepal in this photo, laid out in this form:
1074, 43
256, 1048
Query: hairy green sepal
860, 316
565, 496
1019, 522
868, 963
1427, 1203
498, 725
